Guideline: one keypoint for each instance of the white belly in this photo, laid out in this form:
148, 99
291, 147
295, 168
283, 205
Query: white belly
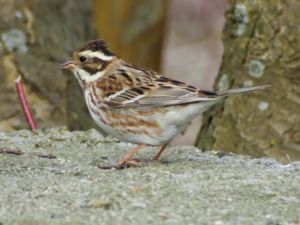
171, 120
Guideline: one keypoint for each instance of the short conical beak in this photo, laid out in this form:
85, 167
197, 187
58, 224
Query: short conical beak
69, 65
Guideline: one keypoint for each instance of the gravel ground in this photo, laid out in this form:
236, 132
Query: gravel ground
51, 177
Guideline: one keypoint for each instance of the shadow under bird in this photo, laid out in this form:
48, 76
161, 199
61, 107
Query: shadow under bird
135, 104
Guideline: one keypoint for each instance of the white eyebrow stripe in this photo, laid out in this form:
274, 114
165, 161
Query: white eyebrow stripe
99, 55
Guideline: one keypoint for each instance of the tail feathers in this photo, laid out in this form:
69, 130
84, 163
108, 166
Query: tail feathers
242, 90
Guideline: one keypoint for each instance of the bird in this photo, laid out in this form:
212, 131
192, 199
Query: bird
135, 104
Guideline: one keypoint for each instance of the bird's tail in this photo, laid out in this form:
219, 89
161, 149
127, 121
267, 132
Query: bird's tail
242, 90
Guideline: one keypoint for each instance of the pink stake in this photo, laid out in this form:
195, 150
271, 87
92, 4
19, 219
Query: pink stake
24, 103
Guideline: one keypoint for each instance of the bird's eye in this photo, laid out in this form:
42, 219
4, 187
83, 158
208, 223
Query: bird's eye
82, 59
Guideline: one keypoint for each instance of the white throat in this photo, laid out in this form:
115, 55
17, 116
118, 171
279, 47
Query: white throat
84, 77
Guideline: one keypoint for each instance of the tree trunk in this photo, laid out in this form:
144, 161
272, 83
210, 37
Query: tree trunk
133, 28
262, 46
36, 36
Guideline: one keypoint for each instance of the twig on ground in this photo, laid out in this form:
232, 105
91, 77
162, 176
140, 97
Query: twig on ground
24, 103
15, 151
44, 155
11, 151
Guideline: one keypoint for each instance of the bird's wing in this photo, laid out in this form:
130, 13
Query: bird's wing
161, 91
135, 86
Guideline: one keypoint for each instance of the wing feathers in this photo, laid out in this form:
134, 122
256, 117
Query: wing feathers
144, 88
242, 90
159, 95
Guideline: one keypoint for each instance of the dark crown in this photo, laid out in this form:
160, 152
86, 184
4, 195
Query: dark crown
96, 45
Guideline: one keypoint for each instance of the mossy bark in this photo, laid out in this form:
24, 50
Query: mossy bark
262, 46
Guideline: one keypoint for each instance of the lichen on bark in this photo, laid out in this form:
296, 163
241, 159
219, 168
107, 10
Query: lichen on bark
261, 46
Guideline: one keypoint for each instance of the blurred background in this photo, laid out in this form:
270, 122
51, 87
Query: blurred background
180, 39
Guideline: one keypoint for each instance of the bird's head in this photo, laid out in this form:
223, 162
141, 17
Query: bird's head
90, 61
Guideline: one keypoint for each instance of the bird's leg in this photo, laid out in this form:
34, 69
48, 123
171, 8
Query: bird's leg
160, 151
126, 159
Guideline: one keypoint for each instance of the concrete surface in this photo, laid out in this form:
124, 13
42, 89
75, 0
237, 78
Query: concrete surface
51, 177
